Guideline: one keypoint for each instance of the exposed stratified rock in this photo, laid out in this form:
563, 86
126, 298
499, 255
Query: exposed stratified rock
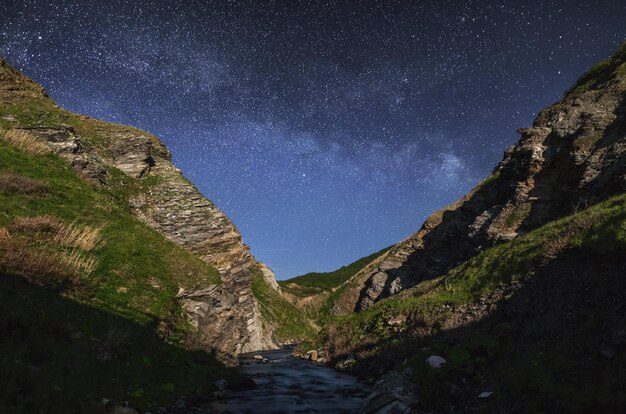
178, 210
269, 277
67, 144
134, 155
218, 311
227, 315
394, 393
573, 156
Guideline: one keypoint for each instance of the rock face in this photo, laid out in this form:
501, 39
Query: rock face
573, 155
227, 315
394, 393
175, 208
67, 144
134, 155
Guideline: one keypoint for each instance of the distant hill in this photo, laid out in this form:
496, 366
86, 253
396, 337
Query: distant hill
315, 292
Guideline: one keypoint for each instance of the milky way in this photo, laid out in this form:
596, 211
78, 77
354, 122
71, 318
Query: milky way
325, 130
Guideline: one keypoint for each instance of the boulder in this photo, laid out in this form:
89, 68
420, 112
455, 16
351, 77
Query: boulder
435, 361
394, 393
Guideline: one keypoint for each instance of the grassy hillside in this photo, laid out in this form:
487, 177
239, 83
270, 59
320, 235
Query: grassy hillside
82, 243
313, 283
88, 289
293, 325
538, 320
316, 293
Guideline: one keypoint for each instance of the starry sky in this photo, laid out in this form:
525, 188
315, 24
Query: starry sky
325, 130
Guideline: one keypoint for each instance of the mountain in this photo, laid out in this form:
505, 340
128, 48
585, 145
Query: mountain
519, 286
315, 293
112, 263
572, 157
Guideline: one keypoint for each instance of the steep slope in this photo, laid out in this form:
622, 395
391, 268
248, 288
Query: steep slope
316, 292
573, 156
539, 322
136, 168
519, 286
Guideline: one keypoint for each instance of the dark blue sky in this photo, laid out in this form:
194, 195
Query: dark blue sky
325, 130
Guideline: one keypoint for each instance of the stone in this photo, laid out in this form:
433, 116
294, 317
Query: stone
133, 155
68, 145
573, 153
346, 363
312, 355
394, 393
396, 320
435, 361
220, 384
269, 277
485, 394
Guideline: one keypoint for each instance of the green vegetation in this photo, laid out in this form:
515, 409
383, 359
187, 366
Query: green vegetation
58, 355
132, 258
558, 334
321, 290
600, 229
292, 323
600, 72
88, 290
313, 283
105, 267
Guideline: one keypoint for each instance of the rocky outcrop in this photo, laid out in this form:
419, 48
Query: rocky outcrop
218, 312
574, 155
227, 315
394, 393
178, 210
269, 277
66, 143
135, 155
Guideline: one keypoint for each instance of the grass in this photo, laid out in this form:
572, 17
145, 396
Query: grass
100, 266
583, 250
312, 283
293, 325
600, 73
58, 355
323, 289
601, 229
24, 141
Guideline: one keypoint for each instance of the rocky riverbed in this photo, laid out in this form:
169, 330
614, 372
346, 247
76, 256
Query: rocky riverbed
285, 384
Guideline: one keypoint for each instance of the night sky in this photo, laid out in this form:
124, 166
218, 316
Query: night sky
325, 130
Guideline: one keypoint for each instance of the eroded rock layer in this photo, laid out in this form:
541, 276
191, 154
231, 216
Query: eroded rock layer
227, 315
574, 155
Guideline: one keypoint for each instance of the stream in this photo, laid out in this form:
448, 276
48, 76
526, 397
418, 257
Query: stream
289, 385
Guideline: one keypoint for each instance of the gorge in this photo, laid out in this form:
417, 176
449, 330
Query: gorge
124, 289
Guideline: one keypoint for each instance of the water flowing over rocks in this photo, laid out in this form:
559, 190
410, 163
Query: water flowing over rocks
284, 384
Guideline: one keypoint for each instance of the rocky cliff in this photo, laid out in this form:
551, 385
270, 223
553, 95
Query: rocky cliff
573, 156
227, 314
